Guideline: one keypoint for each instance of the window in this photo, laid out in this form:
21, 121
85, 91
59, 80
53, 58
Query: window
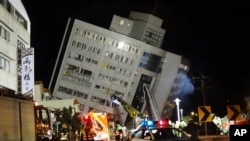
4, 64
77, 31
121, 22
65, 90
87, 34
126, 47
84, 46
79, 44
42, 115
73, 43
4, 33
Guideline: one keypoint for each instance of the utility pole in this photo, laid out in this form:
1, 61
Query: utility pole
202, 79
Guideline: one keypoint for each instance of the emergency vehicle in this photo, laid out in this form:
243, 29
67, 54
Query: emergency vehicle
96, 126
23, 120
157, 130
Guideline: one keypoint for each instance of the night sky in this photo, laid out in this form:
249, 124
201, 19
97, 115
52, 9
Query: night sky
213, 37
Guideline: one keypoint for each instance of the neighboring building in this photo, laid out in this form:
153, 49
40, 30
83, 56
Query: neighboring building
43, 97
95, 63
16, 56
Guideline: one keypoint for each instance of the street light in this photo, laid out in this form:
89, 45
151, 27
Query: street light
181, 110
177, 102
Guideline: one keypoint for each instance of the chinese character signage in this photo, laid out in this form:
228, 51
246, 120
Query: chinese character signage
27, 60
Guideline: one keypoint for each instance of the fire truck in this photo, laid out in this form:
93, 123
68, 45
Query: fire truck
96, 126
43, 123
21, 119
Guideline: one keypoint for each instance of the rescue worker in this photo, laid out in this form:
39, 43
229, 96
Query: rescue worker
124, 132
118, 132
89, 134
64, 132
192, 129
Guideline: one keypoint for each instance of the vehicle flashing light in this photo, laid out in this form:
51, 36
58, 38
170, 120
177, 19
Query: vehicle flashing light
86, 118
162, 123
148, 123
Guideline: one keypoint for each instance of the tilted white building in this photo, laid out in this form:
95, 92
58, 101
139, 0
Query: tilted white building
95, 63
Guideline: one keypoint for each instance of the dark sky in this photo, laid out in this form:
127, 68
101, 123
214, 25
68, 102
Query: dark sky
214, 37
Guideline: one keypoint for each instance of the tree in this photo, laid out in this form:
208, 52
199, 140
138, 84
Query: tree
71, 119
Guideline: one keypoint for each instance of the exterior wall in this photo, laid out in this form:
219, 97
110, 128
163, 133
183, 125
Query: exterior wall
166, 80
146, 18
168, 75
60, 104
8, 51
38, 91
121, 25
138, 30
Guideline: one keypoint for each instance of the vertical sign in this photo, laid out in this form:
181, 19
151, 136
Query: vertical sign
233, 112
27, 65
204, 113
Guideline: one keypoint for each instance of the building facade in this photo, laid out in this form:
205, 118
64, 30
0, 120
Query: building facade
16, 56
95, 63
